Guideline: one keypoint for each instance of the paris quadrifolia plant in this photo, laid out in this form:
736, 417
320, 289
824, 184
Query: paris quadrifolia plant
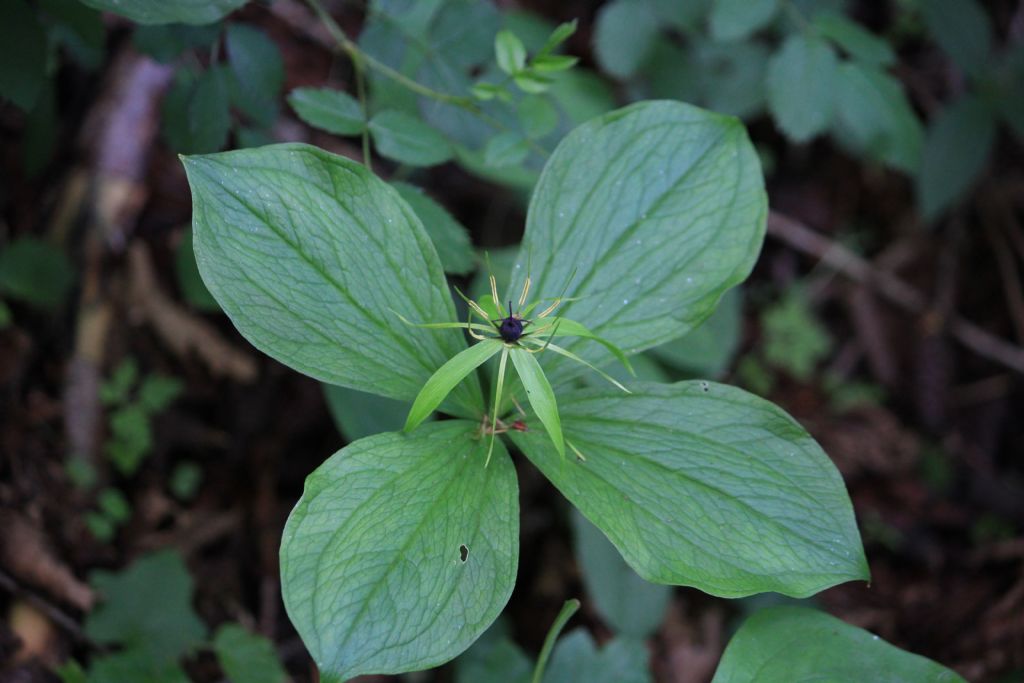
404, 546
514, 336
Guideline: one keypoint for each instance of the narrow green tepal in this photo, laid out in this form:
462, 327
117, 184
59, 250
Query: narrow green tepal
540, 395
704, 485
447, 378
402, 550
311, 255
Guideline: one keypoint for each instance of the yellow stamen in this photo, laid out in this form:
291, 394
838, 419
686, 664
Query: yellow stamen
526, 290
494, 293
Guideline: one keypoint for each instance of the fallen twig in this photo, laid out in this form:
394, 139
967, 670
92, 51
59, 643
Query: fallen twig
184, 333
803, 239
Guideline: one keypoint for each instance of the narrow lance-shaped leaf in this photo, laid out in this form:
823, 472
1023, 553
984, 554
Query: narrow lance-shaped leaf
705, 485
402, 550
447, 377
650, 213
799, 644
308, 253
540, 395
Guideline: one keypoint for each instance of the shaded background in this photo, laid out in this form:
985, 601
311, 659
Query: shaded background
886, 314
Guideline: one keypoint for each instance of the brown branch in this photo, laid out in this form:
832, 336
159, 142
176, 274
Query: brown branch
183, 332
803, 239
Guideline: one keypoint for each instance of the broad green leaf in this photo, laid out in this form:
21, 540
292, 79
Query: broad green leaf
450, 238
645, 366
563, 327
688, 15
406, 139
800, 645
501, 661
708, 350
581, 95
249, 136
537, 116
358, 414
328, 109
963, 29
195, 112
247, 657
447, 377
531, 28
629, 605
731, 76
724, 77
509, 52
857, 41
874, 116
137, 666
166, 42
39, 138
190, 282
1010, 89
704, 485
577, 660
147, 607
174, 118
35, 272
168, 11
459, 43
650, 213
22, 55
208, 115
738, 19
308, 253
506, 149
956, 149
258, 73
801, 86
401, 551
539, 394
79, 29
623, 36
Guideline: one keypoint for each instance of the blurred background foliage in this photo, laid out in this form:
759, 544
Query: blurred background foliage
136, 431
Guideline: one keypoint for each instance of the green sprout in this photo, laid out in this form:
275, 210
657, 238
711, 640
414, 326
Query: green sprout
517, 337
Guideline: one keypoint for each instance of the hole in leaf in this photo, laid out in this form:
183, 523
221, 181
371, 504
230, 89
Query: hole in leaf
704, 387
463, 552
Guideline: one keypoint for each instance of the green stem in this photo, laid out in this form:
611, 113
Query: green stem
568, 609
359, 57
357, 64
796, 15
356, 53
